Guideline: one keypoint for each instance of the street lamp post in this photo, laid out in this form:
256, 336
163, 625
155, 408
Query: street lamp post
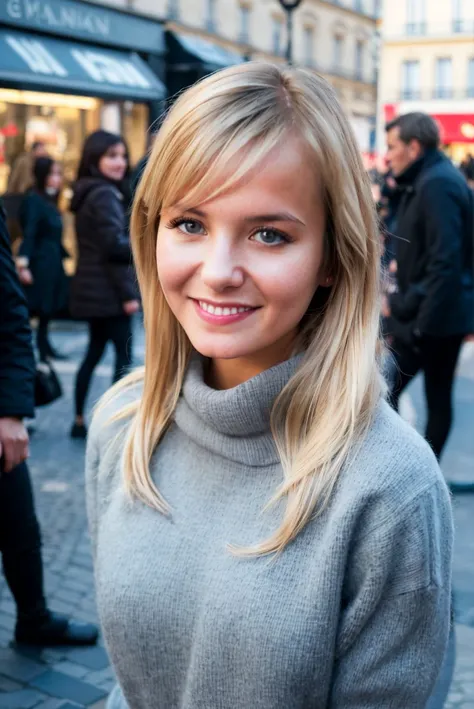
289, 7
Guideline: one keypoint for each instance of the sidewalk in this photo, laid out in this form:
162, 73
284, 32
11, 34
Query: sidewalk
78, 678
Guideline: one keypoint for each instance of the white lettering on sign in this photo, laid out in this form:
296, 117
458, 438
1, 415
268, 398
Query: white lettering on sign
35, 54
101, 67
14, 9
47, 14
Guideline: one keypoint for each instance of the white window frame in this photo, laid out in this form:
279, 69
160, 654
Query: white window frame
416, 17
277, 36
308, 45
410, 79
359, 58
245, 13
443, 77
338, 51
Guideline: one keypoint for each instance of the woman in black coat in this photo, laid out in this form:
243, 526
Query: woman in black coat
41, 254
104, 288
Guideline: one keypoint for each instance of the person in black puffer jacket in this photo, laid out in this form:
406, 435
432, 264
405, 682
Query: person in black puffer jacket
104, 290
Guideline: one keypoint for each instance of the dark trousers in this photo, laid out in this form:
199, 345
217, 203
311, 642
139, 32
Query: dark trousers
20, 543
42, 339
117, 330
436, 357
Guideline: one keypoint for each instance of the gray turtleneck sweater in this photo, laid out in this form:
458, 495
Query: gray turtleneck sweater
353, 614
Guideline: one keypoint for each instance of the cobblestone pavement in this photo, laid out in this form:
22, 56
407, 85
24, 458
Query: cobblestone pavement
72, 678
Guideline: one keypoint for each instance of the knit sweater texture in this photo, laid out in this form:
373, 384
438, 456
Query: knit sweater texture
354, 614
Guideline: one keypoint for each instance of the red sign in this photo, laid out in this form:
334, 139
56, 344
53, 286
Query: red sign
454, 127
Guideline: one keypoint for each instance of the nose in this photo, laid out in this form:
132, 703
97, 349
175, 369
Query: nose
220, 268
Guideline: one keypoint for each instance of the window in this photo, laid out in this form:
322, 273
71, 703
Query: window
173, 9
337, 52
211, 15
308, 46
416, 17
444, 78
244, 33
359, 59
410, 79
276, 35
458, 22
470, 78
359, 5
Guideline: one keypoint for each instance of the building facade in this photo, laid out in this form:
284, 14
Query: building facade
68, 67
427, 64
334, 37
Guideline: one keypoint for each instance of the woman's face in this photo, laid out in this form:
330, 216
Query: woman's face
113, 163
239, 271
54, 180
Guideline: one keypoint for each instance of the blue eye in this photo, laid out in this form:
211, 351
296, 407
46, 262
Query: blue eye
190, 226
270, 237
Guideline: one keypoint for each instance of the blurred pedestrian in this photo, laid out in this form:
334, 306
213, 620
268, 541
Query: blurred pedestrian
267, 532
20, 540
433, 308
22, 176
104, 289
41, 254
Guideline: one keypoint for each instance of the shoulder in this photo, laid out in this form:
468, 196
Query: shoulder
442, 179
390, 474
105, 192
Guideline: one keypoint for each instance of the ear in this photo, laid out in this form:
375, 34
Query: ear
415, 149
327, 282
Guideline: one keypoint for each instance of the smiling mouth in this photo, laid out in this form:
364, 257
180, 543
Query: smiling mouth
224, 310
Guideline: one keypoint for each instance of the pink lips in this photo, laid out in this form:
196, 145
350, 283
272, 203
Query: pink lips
221, 319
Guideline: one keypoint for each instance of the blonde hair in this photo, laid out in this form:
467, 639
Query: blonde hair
238, 116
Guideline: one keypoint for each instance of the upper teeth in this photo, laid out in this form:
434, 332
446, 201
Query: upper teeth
217, 310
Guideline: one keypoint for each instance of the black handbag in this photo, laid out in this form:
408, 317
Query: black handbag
47, 385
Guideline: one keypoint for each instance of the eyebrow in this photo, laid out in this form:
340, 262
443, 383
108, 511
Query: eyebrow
256, 218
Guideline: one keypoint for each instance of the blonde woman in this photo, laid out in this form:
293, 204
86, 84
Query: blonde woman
267, 533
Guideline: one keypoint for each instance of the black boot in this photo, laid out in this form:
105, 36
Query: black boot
54, 629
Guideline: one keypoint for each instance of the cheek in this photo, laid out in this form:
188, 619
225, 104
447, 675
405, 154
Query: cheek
291, 282
174, 266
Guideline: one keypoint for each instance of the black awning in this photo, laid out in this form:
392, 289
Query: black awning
32, 62
188, 52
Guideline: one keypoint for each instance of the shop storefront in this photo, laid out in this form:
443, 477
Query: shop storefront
68, 68
190, 57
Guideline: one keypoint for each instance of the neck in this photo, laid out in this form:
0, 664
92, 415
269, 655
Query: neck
229, 373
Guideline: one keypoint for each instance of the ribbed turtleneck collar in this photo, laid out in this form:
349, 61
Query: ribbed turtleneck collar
233, 423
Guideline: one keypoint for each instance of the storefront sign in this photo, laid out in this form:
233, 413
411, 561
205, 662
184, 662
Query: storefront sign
93, 70
73, 18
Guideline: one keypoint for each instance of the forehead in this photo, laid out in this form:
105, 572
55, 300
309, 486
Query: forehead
393, 135
289, 175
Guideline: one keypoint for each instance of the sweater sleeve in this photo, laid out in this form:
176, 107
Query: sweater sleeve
394, 627
91, 474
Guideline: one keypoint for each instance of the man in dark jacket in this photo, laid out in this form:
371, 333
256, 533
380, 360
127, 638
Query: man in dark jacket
433, 309
20, 542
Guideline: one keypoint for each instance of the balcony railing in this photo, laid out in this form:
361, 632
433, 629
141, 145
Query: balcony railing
350, 74
429, 29
442, 92
415, 28
463, 26
433, 94
410, 95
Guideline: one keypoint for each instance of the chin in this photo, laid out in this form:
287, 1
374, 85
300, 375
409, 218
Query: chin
222, 350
